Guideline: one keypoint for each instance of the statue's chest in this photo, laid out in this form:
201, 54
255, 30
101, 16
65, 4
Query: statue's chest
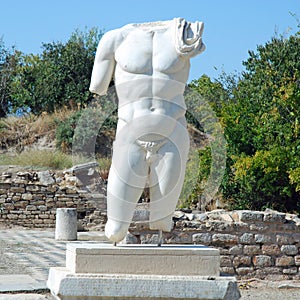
145, 52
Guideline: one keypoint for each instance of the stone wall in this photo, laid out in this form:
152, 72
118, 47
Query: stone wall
252, 244
30, 199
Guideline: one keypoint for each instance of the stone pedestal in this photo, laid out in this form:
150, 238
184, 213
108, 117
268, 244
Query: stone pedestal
102, 271
66, 224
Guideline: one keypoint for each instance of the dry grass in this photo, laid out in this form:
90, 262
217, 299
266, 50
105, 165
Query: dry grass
47, 159
16, 133
37, 159
25, 130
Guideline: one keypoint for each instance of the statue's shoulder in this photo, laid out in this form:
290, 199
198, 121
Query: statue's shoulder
112, 38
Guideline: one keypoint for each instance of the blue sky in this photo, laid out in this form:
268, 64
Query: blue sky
232, 27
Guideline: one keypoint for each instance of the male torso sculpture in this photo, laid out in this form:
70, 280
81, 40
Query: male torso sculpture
150, 64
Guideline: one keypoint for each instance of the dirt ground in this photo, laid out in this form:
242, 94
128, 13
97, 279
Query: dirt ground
256, 289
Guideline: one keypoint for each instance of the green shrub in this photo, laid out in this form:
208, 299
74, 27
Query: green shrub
196, 178
65, 132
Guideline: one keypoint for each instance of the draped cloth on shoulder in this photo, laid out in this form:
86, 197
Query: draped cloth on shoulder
188, 37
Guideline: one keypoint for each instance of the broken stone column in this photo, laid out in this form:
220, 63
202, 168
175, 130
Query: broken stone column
66, 224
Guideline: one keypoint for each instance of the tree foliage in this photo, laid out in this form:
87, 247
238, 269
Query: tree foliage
260, 113
58, 77
8, 62
262, 129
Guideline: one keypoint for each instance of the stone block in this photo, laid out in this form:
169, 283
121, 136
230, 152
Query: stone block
12, 216
51, 188
247, 238
225, 261
43, 216
285, 261
262, 261
8, 206
31, 207
27, 197
259, 227
176, 238
284, 239
271, 249
71, 191
42, 207
236, 250
21, 216
45, 178
48, 221
274, 217
224, 239
130, 239
252, 250
69, 286
227, 271
289, 249
296, 237
37, 221
297, 260
290, 271
38, 202
244, 271
16, 211
17, 189
262, 239
202, 238
32, 188
242, 261
248, 216
187, 260
201, 217
268, 272
21, 204
5, 186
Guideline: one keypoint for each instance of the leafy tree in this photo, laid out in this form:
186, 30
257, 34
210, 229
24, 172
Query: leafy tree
262, 129
8, 62
213, 93
87, 131
204, 100
58, 77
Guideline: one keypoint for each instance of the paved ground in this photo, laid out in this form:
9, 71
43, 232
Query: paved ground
27, 255
25, 259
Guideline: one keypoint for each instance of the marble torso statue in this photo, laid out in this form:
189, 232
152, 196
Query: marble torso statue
150, 65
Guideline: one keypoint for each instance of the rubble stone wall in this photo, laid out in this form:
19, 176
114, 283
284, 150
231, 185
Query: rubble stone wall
31, 200
252, 243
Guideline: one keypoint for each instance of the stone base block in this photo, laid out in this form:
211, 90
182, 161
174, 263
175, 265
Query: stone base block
65, 285
142, 259
103, 271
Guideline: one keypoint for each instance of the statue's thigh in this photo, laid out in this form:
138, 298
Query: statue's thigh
129, 167
167, 171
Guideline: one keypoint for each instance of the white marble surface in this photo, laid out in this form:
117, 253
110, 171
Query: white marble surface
150, 64
69, 286
143, 259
